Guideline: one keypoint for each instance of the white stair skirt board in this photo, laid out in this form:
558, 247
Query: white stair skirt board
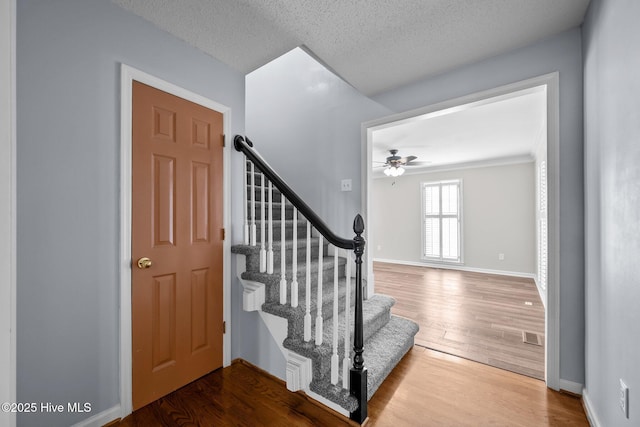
298, 372
253, 294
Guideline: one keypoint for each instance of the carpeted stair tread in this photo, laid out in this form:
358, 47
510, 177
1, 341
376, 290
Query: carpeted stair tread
276, 245
386, 338
375, 313
382, 352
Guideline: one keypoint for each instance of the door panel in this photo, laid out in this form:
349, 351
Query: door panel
177, 216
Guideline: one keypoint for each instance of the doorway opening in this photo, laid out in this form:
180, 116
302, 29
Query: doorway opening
472, 140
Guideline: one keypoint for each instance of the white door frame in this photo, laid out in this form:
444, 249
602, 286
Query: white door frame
128, 75
8, 208
552, 312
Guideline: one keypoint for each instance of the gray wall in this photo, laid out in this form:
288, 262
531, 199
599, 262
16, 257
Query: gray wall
561, 53
498, 216
612, 152
68, 100
305, 121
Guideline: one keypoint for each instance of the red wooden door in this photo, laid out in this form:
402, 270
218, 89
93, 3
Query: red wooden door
177, 220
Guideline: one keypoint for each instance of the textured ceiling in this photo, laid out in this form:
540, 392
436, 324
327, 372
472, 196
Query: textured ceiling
375, 45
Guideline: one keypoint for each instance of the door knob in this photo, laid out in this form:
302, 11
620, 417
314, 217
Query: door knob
144, 262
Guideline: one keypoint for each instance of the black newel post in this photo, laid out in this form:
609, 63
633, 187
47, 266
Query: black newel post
358, 373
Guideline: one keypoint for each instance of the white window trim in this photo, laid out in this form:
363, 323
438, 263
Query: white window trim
440, 260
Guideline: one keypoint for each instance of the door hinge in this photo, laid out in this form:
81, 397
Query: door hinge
223, 233
224, 328
224, 140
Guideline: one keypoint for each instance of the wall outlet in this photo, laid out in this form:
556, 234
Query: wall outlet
501, 257
345, 185
624, 399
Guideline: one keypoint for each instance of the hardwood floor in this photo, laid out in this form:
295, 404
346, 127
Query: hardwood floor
239, 395
427, 388
472, 315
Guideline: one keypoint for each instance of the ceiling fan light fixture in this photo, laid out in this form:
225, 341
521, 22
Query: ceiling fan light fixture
394, 171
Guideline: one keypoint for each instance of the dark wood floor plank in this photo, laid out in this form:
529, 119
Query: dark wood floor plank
427, 388
472, 315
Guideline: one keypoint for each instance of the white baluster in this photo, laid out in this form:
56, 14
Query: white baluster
319, 298
283, 253
294, 260
253, 205
307, 314
346, 361
245, 206
335, 364
270, 241
263, 250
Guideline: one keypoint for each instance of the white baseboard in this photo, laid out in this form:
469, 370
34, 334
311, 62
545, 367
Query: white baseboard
457, 267
589, 410
101, 418
567, 385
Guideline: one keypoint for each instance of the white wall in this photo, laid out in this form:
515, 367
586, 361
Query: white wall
498, 216
612, 153
561, 54
68, 189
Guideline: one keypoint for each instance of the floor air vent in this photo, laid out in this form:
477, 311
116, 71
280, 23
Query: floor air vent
531, 338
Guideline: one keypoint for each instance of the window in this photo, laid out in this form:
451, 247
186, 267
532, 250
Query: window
442, 213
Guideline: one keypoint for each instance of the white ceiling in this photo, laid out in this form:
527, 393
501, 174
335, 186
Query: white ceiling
375, 45
501, 130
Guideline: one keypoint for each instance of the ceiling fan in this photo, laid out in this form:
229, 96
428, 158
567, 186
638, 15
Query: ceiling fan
394, 165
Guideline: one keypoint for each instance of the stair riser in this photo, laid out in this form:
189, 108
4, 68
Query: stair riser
275, 210
253, 260
276, 196
277, 232
272, 285
296, 324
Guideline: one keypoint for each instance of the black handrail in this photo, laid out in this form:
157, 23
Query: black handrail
358, 372
246, 147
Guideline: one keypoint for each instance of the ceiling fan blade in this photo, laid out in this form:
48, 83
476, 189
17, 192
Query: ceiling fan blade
408, 159
418, 164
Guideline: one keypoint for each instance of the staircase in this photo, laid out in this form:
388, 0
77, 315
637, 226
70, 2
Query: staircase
339, 347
